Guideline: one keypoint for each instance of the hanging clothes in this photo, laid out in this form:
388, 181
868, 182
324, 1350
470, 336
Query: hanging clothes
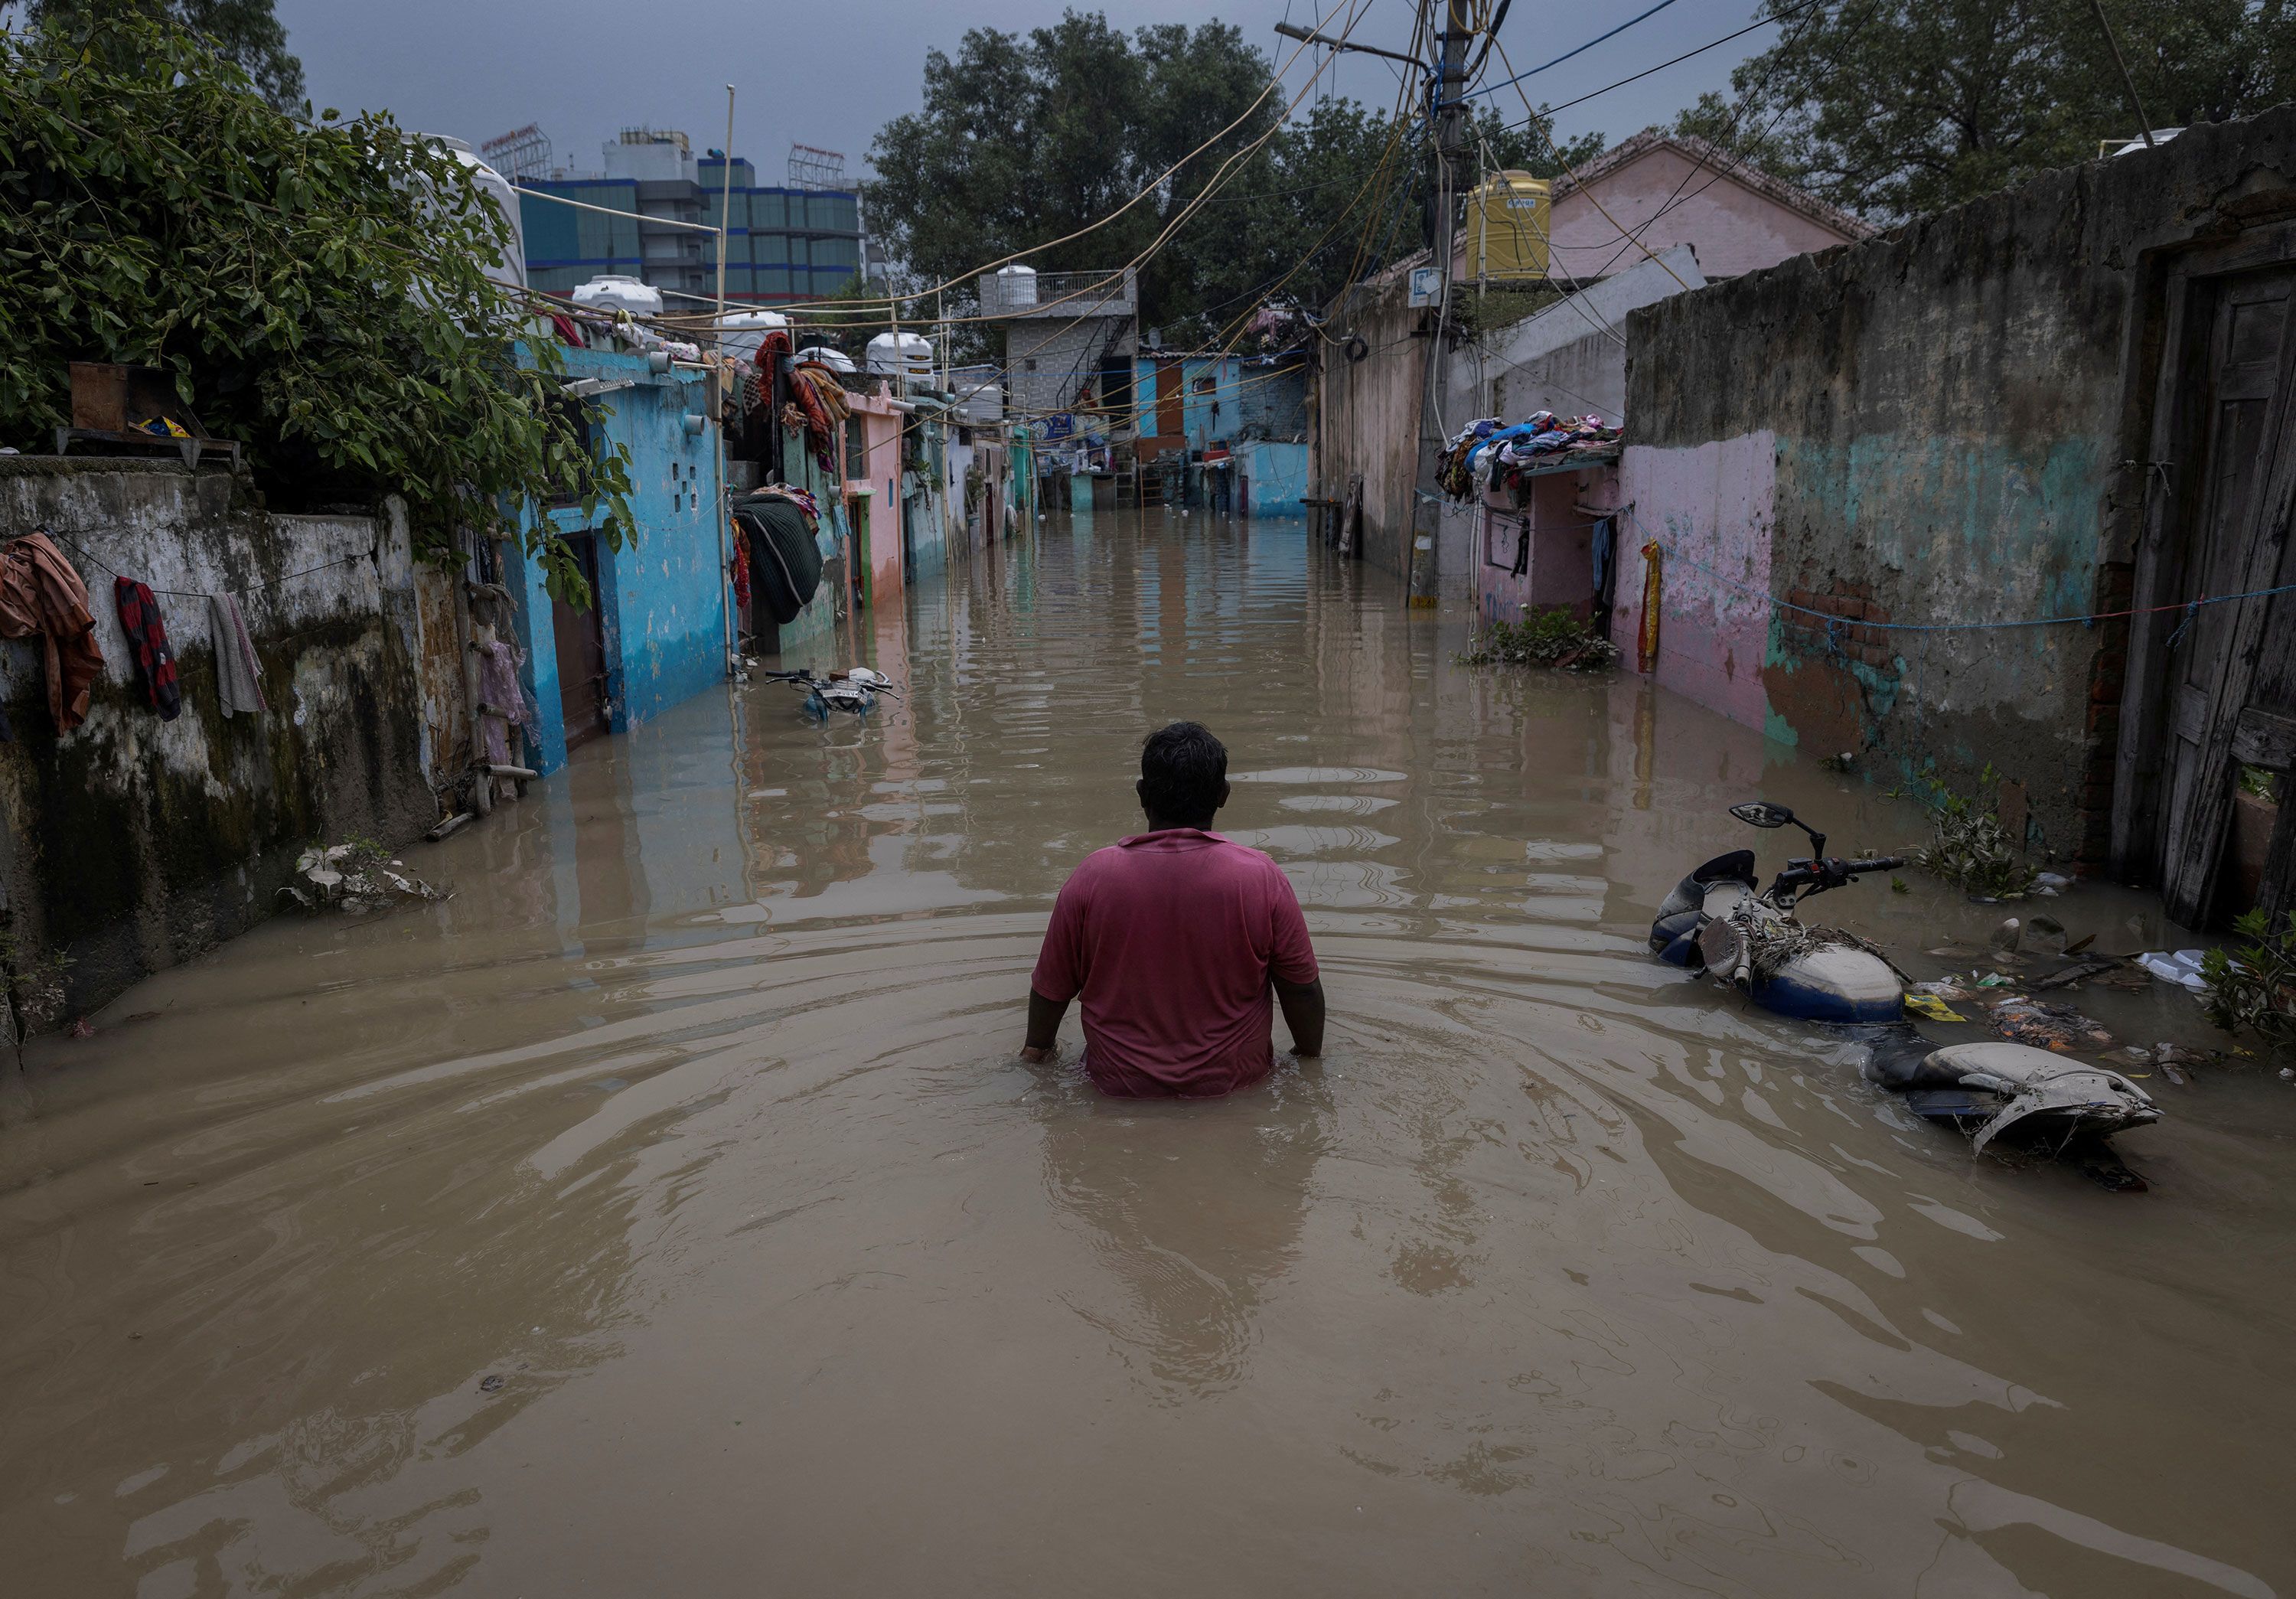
42, 596
741, 564
1646, 642
505, 697
239, 675
155, 662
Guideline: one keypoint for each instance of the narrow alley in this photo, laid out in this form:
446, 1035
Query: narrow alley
666, 1212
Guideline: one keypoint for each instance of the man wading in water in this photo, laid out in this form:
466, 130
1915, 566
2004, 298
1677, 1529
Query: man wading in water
1173, 939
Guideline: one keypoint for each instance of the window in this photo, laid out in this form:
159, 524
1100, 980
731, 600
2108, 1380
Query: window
857, 449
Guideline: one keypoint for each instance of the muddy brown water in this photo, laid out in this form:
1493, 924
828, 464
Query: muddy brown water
667, 1213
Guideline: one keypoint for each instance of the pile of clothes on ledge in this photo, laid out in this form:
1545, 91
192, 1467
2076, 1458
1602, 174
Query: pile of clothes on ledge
1486, 455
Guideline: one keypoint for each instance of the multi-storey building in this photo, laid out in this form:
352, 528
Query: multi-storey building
782, 244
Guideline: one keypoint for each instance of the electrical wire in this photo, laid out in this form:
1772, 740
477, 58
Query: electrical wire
1566, 55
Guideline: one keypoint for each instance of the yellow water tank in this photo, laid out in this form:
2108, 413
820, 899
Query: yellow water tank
1507, 228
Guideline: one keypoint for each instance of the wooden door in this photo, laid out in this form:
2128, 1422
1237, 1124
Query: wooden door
1170, 421
2218, 489
581, 639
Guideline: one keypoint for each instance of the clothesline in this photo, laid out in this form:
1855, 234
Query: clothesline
1832, 621
199, 594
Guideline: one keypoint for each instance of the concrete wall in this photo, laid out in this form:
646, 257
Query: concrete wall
1666, 199
881, 477
1275, 473
1930, 428
133, 844
1367, 415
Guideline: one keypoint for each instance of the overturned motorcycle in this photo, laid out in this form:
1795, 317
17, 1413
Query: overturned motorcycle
855, 691
1720, 921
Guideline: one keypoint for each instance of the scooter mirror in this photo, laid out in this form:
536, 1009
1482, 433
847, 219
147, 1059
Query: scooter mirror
1761, 813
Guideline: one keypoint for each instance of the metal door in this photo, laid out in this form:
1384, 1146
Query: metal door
581, 640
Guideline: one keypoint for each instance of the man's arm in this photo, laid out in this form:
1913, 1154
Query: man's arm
1303, 1013
1045, 1025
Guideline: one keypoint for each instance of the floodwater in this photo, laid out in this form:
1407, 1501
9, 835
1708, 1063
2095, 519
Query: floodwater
668, 1212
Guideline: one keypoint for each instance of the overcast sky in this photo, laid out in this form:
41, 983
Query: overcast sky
830, 74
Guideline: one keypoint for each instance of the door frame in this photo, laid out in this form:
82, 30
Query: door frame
2174, 500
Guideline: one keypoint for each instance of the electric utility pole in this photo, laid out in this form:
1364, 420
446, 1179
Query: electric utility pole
1451, 23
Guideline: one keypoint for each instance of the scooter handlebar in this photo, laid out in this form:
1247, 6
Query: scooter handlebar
1880, 863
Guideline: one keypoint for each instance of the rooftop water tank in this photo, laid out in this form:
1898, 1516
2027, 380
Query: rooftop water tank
741, 332
1016, 286
1506, 229
614, 292
910, 358
836, 360
508, 267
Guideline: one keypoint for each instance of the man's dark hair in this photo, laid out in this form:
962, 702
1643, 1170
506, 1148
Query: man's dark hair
1182, 767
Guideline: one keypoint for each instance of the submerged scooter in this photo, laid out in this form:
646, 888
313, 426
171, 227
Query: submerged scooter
1720, 921
854, 691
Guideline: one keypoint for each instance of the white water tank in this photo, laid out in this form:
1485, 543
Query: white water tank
836, 360
742, 332
507, 267
911, 357
614, 292
1016, 287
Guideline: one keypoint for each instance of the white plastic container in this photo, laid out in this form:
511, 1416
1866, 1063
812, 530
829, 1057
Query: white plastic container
742, 332
911, 358
614, 292
836, 360
1016, 288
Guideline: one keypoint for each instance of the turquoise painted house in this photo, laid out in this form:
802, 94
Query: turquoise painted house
1257, 405
656, 632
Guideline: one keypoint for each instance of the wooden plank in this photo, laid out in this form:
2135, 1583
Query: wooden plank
2168, 493
2263, 740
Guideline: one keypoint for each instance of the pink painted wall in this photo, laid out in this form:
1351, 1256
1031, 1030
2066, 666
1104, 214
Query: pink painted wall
1711, 506
1734, 229
1561, 569
881, 433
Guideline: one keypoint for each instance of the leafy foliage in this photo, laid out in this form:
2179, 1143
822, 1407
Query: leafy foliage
2254, 991
1972, 849
244, 32
1554, 637
316, 287
1024, 139
1891, 108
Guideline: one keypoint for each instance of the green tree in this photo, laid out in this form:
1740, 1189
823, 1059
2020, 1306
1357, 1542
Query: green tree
1024, 139
1892, 109
318, 290
243, 32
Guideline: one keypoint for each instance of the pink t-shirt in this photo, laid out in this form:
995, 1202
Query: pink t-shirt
1170, 938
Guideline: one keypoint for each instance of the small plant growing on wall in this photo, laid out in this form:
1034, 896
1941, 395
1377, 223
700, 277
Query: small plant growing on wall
2253, 989
1970, 848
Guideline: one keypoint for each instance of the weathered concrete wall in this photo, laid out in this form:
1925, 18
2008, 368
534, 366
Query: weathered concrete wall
1368, 420
1711, 509
131, 843
1937, 421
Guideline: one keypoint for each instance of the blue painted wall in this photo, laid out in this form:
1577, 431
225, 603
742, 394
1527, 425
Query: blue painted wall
1278, 474
662, 597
